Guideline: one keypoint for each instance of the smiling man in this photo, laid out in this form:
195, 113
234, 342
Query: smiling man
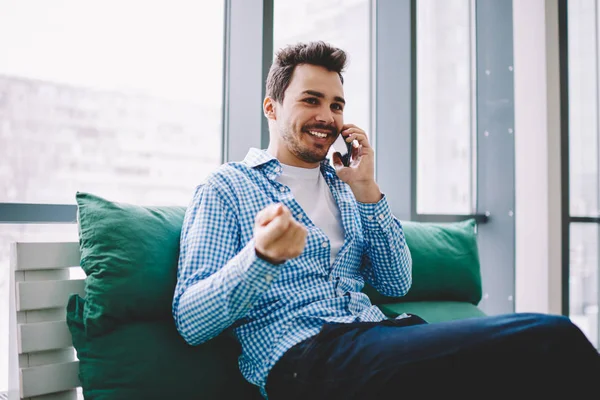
276, 249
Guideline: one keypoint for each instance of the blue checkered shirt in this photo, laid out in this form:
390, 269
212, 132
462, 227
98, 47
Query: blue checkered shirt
222, 284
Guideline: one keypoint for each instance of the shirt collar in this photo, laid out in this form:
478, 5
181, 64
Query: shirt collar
258, 157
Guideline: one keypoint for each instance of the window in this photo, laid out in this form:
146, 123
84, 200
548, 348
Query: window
583, 108
584, 88
583, 279
444, 111
122, 99
346, 25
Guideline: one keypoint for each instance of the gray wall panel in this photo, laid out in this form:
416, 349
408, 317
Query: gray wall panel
495, 153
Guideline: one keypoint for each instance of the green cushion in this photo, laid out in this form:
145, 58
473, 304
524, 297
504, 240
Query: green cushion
433, 311
129, 254
445, 263
150, 360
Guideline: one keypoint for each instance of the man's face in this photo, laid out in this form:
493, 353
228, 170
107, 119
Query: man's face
311, 115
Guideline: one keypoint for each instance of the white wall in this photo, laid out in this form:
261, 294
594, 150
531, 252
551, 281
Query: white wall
537, 157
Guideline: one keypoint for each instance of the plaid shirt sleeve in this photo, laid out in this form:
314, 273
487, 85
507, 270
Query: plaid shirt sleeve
217, 281
387, 259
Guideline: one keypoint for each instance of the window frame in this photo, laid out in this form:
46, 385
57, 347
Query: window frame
248, 48
395, 116
567, 218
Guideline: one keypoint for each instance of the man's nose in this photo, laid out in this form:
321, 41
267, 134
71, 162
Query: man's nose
325, 115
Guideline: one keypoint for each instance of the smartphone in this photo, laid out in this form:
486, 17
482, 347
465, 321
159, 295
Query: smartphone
344, 148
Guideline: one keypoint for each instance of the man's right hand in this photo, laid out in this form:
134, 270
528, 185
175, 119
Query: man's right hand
277, 236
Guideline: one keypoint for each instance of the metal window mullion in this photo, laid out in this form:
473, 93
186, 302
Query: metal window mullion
393, 114
248, 48
495, 153
584, 220
597, 41
372, 76
564, 151
413, 111
443, 218
473, 127
23, 213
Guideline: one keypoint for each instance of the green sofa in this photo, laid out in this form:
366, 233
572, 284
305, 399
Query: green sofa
123, 330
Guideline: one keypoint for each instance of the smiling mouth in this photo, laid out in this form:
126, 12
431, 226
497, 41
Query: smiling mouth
321, 135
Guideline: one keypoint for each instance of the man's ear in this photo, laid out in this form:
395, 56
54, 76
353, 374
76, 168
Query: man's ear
269, 108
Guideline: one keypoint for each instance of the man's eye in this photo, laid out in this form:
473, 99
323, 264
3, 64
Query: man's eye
311, 100
338, 107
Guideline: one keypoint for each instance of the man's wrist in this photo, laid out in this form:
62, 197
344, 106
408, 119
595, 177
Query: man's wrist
267, 259
368, 192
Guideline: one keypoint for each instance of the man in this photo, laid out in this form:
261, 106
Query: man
278, 247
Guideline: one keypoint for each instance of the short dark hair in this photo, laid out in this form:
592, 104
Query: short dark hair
313, 53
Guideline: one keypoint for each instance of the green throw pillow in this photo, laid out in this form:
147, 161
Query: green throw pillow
129, 254
445, 261
150, 360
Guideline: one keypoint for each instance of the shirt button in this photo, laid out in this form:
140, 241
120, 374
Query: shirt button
381, 216
268, 278
324, 244
282, 189
331, 278
299, 216
370, 218
340, 292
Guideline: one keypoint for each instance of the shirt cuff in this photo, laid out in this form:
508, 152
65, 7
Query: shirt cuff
254, 270
375, 215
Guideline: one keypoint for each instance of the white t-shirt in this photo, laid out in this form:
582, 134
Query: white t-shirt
312, 193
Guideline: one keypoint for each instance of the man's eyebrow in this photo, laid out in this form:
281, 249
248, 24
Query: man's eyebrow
321, 95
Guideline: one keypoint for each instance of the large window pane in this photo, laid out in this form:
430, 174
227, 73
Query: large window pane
583, 279
343, 24
14, 233
119, 98
583, 107
444, 107
584, 89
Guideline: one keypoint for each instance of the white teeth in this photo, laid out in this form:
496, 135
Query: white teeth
318, 134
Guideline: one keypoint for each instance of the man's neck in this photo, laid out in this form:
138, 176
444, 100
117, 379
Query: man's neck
287, 158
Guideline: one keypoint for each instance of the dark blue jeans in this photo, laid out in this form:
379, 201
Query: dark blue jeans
534, 355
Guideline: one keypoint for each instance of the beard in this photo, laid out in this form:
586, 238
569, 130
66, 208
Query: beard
308, 154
